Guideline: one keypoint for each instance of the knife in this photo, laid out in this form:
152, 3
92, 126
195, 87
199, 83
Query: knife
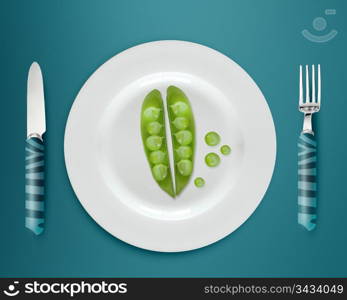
35, 152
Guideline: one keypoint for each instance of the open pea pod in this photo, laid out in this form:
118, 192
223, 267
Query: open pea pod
154, 140
183, 135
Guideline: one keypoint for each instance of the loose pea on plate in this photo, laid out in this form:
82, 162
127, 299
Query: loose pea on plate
225, 149
212, 138
212, 159
154, 140
183, 135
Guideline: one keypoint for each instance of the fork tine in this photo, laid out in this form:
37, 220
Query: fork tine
301, 98
319, 86
307, 86
313, 92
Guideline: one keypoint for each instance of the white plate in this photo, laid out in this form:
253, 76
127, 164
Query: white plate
108, 169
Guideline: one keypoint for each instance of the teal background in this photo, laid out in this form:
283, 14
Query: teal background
70, 39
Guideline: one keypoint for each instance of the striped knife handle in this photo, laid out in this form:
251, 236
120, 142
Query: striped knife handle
34, 185
307, 181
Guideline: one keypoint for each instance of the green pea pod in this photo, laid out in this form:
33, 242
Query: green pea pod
182, 134
154, 140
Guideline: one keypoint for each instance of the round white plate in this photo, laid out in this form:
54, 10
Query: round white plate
107, 166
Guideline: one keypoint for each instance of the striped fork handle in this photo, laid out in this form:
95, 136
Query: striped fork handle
34, 185
307, 181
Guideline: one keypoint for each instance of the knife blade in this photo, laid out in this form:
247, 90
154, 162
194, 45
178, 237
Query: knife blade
35, 150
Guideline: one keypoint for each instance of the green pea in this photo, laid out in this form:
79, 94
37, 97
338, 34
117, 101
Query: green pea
154, 142
160, 172
212, 159
212, 138
184, 137
185, 167
180, 108
151, 113
199, 182
225, 149
184, 152
157, 157
181, 123
182, 134
154, 128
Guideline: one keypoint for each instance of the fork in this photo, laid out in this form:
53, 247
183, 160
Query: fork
307, 151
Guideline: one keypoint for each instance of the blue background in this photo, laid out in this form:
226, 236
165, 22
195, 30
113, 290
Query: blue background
70, 39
